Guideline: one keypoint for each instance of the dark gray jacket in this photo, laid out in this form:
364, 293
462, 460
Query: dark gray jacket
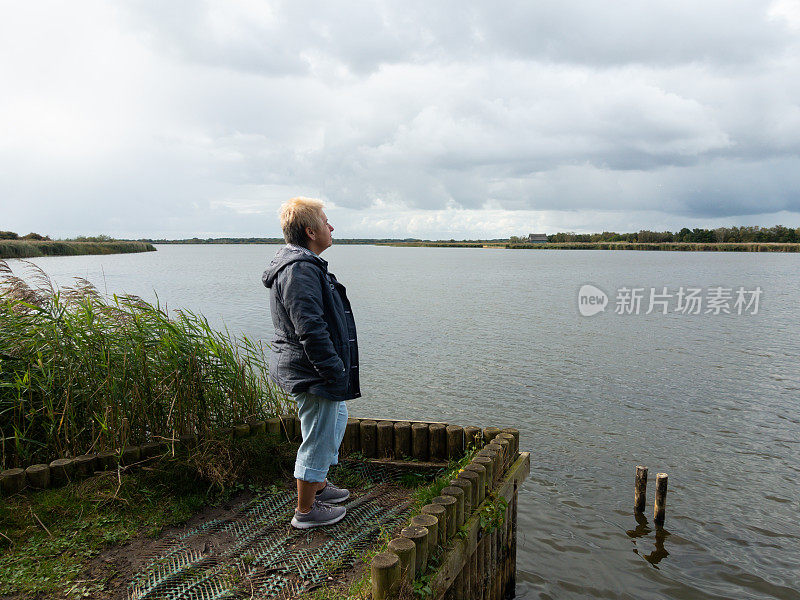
315, 348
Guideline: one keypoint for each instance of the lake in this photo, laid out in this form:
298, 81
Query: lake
495, 337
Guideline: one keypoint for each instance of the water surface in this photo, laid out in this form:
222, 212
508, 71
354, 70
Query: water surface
494, 337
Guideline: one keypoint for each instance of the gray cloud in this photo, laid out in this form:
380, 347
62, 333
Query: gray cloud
185, 117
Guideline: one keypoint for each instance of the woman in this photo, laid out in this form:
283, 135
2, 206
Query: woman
314, 354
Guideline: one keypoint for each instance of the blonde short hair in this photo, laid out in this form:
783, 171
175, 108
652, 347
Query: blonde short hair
297, 214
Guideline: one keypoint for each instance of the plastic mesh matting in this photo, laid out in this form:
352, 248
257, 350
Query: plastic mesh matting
255, 553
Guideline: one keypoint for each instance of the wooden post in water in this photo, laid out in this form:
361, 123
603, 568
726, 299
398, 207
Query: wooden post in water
512, 582
402, 440
385, 575
640, 489
660, 508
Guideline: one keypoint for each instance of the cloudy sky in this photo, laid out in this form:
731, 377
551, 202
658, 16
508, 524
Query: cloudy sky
409, 119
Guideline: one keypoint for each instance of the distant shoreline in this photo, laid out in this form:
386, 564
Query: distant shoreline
34, 248
662, 246
504, 244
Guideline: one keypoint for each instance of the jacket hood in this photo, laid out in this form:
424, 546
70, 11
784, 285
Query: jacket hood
286, 256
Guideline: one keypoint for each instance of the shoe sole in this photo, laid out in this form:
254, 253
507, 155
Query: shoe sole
309, 524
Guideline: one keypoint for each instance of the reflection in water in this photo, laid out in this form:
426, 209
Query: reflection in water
642, 530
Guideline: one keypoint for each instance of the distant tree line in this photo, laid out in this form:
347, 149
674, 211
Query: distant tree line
745, 234
10, 235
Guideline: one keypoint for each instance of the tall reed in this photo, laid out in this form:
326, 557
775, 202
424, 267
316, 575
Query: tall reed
32, 248
81, 373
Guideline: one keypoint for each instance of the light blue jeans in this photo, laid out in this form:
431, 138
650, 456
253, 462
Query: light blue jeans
322, 424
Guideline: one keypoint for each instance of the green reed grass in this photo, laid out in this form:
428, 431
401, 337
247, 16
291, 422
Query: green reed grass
31, 248
81, 373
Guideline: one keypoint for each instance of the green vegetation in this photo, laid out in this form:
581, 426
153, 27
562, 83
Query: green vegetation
675, 246
80, 373
49, 537
721, 235
31, 248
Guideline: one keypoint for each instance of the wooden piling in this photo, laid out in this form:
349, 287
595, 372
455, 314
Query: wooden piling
455, 442
430, 523
457, 493
494, 579
466, 487
512, 580
385, 575
474, 579
419, 441
402, 440
241, 430
660, 507
512, 455
515, 434
467, 590
496, 452
506, 452
258, 427
352, 436
472, 478
38, 476
457, 589
107, 460
12, 481
487, 562
480, 585
640, 489
418, 535
489, 434
450, 505
437, 439
440, 512
406, 551
385, 439
85, 465
273, 426
488, 465
369, 435
476, 468
472, 437
62, 470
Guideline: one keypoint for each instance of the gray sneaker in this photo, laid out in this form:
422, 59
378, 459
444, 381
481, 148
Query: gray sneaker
332, 494
319, 515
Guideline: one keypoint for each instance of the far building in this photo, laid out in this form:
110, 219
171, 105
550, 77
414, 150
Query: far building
537, 238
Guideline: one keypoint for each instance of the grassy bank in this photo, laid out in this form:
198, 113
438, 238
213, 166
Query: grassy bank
50, 539
667, 246
80, 373
31, 248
